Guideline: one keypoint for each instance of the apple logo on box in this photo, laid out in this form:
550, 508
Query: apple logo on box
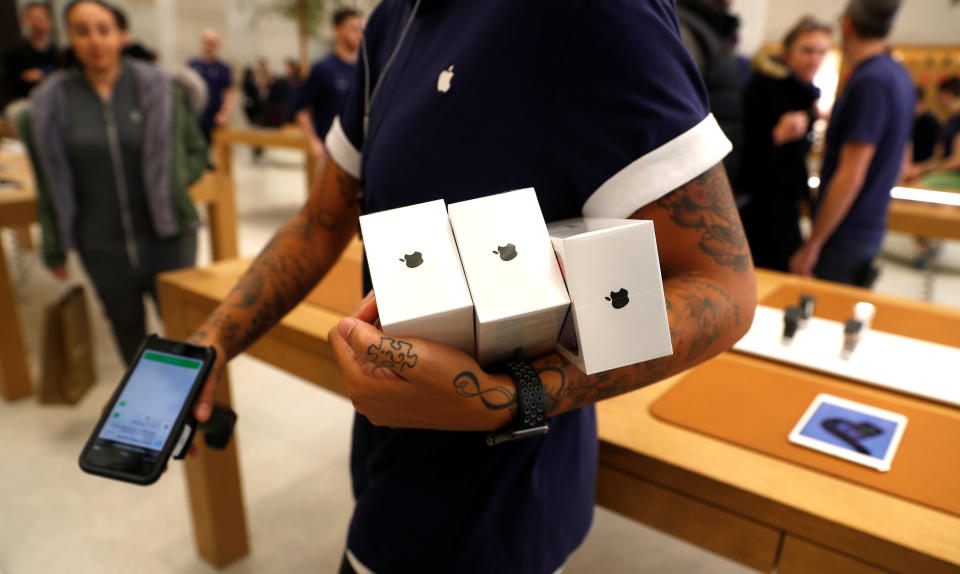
506, 252
619, 299
413, 260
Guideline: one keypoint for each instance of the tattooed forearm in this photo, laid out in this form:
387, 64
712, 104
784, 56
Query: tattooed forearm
701, 314
291, 264
495, 397
706, 205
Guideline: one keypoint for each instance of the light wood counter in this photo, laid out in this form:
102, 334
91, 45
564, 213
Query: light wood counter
758, 510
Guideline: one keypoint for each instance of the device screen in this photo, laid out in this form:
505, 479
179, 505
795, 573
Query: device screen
146, 411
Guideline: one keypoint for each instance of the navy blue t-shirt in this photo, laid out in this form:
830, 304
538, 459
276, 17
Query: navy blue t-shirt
217, 76
876, 108
598, 106
950, 134
324, 91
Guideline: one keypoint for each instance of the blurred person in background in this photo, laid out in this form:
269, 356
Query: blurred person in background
868, 133
35, 57
252, 105
218, 77
924, 154
291, 84
320, 97
779, 109
114, 147
946, 172
927, 134
710, 33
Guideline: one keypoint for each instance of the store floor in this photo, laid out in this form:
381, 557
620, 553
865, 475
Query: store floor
294, 446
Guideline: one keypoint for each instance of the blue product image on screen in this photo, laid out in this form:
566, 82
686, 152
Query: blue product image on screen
147, 409
851, 430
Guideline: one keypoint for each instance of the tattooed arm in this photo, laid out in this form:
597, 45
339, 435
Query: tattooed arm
710, 294
292, 263
709, 287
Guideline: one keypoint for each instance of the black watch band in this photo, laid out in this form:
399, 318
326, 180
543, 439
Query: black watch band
531, 405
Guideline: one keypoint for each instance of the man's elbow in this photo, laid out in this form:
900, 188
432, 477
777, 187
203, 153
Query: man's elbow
744, 295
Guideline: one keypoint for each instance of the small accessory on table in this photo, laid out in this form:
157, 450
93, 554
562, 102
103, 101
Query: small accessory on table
531, 405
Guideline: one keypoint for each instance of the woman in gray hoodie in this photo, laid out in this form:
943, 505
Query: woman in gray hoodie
115, 147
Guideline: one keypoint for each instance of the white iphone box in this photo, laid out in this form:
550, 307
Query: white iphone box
618, 315
417, 276
518, 294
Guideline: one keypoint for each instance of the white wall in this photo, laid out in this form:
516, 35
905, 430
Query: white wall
753, 24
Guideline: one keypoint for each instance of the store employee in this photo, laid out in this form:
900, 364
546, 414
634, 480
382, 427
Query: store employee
600, 108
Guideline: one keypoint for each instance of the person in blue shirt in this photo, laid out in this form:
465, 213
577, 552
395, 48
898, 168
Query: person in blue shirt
598, 106
219, 79
866, 140
326, 86
948, 168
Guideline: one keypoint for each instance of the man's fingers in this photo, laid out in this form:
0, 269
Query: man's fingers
204, 406
371, 346
367, 310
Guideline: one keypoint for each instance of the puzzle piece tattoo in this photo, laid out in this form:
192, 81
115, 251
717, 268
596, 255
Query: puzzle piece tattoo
392, 353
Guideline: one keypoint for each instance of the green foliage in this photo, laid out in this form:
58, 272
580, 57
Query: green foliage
316, 12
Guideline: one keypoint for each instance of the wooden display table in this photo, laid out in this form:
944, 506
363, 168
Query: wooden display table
758, 510
18, 211
924, 219
290, 136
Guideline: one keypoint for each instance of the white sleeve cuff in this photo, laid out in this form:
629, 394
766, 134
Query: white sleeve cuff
660, 171
341, 150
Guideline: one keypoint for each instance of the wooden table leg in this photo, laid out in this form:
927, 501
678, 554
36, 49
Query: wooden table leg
24, 237
223, 211
213, 477
14, 371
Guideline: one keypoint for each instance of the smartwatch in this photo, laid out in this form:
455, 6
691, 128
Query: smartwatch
531, 417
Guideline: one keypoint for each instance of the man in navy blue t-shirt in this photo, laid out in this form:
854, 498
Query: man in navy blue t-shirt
321, 96
597, 106
217, 76
868, 133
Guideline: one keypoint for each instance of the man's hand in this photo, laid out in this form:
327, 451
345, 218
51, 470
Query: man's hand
792, 126
33, 75
204, 406
317, 151
221, 118
411, 383
805, 259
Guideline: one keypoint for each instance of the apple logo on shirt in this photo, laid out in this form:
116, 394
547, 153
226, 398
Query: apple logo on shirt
618, 299
443, 81
506, 252
413, 260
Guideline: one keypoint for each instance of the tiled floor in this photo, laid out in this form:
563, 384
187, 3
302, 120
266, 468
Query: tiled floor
294, 443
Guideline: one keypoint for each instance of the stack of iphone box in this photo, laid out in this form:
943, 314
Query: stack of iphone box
485, 276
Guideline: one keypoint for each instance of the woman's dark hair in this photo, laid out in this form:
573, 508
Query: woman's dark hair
110, 8
950, 85
804, 25
121, 17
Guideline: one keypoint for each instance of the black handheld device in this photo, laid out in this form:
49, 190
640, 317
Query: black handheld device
150, 415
